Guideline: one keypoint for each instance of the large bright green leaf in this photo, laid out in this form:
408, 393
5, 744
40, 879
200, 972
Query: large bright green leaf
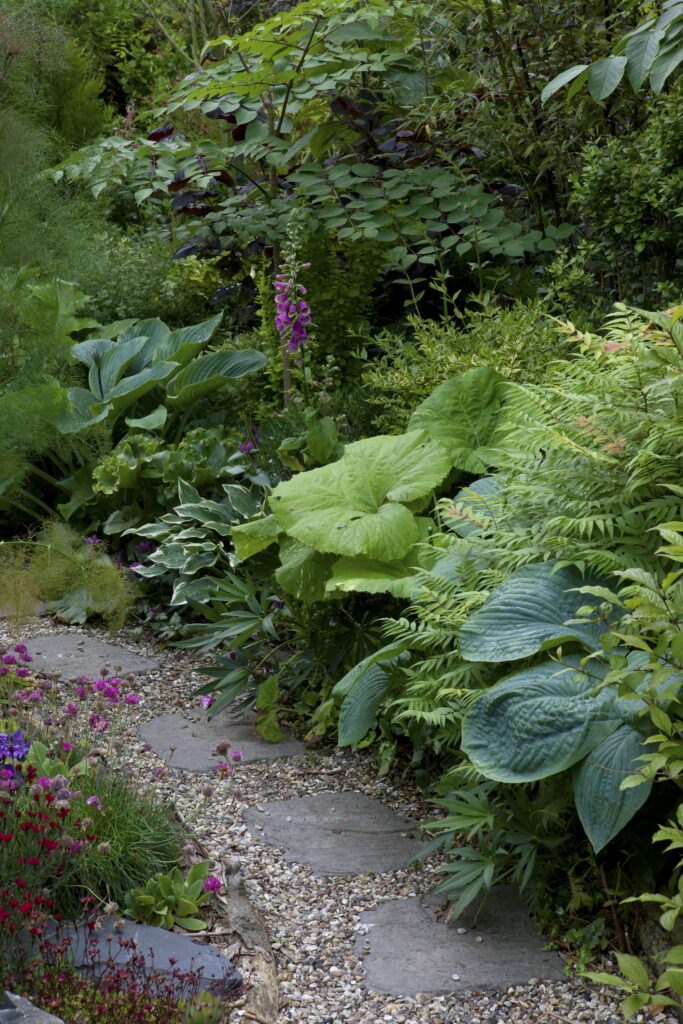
465, 416
603, 807
526, 614
369, 576
212, 371
538, 722
250, 538
353, 506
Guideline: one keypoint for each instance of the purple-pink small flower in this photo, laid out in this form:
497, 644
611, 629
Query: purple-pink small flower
213, 884
132, 698
66, 747
9, 659
94, 801
225, 770
207, 701
236, 755
92, 540
98, 723
70, 710
81, 692
22, 673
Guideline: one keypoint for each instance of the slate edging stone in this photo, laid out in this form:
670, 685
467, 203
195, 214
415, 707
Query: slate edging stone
17, 1010
90, 951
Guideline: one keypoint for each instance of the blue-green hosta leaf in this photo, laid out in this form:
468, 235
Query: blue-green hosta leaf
82, 412
107, 369
303, 572
538, 722
526, 614
476, 507
157, 334
603, 807
364, 688
465, 415
90, 352
132, 388
353, 506
250, 538
209, 372
182, 345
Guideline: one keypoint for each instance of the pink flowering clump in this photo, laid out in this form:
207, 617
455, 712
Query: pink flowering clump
213, 884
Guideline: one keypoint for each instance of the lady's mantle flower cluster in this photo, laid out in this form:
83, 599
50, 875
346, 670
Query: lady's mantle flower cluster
293, 314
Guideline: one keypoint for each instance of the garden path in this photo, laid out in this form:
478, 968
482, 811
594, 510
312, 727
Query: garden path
323, 844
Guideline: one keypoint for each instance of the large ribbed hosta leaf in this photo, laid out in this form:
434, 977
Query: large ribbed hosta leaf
538, 722
211, 371
603, 807
355, 506
465, 415
526, 614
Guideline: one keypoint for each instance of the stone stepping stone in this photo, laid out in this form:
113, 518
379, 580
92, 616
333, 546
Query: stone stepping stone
195, 741
74, 655
91, 950
338, 833
406, 950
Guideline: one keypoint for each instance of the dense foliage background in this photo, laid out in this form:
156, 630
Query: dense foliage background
335, 329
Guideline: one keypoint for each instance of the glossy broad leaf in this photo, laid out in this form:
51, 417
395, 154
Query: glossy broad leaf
526, 614
250, 538
212, 371
538, 722
354, 506
566, 76
464, 415
604, 76
603, 807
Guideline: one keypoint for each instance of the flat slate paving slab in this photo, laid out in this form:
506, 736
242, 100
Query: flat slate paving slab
195, 741
164, 951
74, 655
406, 950
338, 833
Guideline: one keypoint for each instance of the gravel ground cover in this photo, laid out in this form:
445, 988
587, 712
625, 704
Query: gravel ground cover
314, 921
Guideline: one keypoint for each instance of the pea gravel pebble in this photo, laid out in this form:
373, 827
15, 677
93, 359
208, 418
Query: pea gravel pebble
314, 921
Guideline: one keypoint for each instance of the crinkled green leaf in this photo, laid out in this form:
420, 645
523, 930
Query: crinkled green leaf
526, 614
603, 807
353, 506
538, 722
466, 416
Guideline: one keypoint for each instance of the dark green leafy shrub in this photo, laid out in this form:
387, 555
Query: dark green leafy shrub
520, 342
